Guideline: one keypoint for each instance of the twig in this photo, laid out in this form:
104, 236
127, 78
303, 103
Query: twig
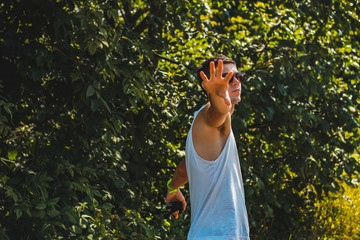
170, 60
4, 160
62, 53
23, 132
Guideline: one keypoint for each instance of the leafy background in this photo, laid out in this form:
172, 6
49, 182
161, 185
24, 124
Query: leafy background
96, 98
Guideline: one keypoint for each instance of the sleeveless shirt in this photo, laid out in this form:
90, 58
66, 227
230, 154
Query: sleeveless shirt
218, 210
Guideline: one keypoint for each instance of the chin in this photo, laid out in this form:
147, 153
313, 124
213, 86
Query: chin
236, 100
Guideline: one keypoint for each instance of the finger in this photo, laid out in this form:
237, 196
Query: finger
169, 197
203, 76
212, 70
167, 200
219, 68
176, 214
227, 99
228, 76
183, 203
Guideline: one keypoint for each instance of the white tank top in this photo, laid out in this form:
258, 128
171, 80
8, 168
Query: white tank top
217, 199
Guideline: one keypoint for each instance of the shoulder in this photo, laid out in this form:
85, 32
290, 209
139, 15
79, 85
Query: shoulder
209, 141
203, 119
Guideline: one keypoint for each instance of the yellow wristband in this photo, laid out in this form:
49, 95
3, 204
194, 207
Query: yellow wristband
170, 189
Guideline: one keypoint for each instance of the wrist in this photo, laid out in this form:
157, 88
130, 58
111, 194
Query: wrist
171, 190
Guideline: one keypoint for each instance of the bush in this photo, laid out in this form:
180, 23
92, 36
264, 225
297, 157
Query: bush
96, 98
337, 216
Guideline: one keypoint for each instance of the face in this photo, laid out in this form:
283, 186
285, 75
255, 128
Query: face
235, 85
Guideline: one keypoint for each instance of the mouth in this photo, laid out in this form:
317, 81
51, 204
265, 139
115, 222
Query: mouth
237, 90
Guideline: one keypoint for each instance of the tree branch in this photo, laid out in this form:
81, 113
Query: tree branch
170, 60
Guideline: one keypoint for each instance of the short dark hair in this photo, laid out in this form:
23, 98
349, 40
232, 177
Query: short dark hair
205, 66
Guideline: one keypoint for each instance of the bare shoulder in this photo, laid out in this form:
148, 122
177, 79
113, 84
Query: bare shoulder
208, 140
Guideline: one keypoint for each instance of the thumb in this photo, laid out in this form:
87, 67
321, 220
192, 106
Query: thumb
227, 98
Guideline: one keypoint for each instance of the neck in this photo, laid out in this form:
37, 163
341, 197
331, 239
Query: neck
232, 108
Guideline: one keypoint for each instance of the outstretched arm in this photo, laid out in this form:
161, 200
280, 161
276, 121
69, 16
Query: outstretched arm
217, 89
179, 179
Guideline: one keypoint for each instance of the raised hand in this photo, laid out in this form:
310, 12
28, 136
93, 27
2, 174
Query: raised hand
217, 86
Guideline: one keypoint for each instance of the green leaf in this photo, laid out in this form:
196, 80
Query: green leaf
104, 103
71, 217
71, 171
76, 229
94, 104
53, 201
260, 183
52, 212
90, 91
41, 206
282, 90
38, 214
92, 47
84, 222
107, 206
76, 76
12, 154
18, 213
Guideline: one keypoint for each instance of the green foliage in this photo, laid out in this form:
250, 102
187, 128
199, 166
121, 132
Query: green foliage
338, 215
96, 98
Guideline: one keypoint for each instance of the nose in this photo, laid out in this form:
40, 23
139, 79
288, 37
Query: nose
235, 81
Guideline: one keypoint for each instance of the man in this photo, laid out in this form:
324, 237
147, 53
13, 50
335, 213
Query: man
211, 163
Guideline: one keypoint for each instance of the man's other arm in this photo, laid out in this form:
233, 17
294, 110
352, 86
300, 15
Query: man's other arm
179, 179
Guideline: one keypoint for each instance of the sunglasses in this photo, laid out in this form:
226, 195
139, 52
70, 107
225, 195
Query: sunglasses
240, 76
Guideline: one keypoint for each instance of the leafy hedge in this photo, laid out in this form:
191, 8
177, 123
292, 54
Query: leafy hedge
338, 215
96, 98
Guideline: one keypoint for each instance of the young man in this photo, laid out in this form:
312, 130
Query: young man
211, 164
